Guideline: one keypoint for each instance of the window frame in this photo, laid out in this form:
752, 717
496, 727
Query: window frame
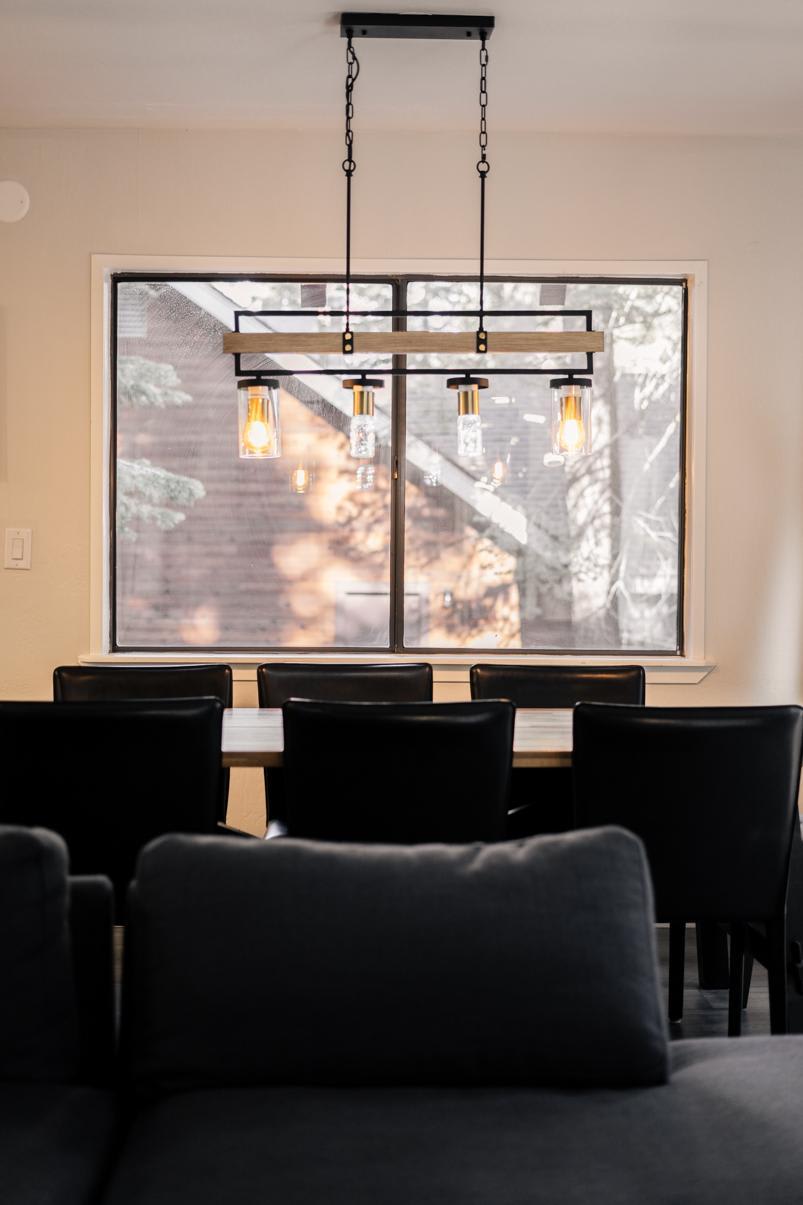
107, 270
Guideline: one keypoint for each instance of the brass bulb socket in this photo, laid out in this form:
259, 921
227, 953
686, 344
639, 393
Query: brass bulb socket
468, 400
363, 403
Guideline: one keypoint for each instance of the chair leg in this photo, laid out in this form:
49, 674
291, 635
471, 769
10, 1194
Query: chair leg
747, 975
776, 973
736, 986
677, 968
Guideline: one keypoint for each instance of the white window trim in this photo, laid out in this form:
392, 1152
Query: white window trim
686, 670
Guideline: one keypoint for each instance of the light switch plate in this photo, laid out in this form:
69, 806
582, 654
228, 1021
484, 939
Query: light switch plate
18, 548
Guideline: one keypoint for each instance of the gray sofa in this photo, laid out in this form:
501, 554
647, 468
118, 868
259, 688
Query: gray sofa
310, 1023
58, 1110
320, 1023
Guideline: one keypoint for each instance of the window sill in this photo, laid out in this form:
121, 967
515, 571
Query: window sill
447, 667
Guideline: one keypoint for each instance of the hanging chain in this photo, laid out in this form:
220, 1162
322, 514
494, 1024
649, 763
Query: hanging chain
483, 167
352, 71
349, 167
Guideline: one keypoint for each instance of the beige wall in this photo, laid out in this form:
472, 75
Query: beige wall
734, 203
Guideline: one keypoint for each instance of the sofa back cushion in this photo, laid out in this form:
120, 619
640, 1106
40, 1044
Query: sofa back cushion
38, 1015
303, 962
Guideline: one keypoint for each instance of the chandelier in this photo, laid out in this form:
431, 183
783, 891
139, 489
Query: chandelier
258, 400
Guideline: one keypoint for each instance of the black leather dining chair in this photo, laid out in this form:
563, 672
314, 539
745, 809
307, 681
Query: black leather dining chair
111, 776
279, 681
541, 800
558, 685
712, 793
95, 683
399, 773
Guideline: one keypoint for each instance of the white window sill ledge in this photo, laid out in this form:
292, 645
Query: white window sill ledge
447, 667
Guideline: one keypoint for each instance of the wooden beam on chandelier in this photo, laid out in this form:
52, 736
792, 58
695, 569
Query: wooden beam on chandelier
411, 343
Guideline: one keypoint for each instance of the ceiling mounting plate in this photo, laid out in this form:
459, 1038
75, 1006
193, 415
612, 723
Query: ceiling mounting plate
415, 25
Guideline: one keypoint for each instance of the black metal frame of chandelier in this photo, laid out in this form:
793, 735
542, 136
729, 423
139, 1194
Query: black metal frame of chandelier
325, 312
433, 26
349, 369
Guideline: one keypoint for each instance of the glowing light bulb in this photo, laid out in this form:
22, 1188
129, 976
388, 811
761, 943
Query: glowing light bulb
300, 480
572, 435
256, 435
499, 472
571, 416
258, 416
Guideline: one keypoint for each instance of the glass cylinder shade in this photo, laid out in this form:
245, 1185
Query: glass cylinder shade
571, 417
362, 437
258, 420
362, 429
469, 435
469, 423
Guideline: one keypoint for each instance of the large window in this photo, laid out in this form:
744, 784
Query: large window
420, 548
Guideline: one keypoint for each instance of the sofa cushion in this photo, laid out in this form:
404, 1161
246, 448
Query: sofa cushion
726, 1128
38, 1016
55, 1143
303, 962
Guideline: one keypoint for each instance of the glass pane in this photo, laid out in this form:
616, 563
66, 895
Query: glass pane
217, 551
520, 547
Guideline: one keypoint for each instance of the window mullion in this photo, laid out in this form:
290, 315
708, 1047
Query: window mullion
397, 471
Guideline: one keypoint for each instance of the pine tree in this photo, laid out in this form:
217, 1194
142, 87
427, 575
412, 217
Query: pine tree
146, 493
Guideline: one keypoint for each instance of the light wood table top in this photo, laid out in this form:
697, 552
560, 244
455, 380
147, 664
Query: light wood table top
254, 737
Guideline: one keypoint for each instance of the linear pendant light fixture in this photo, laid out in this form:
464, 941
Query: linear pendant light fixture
258, 389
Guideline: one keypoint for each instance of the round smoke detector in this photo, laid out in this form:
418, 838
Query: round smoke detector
14, 201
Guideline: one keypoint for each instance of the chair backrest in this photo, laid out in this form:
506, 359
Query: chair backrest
397, 772
279, 681
125, 683
57, 998
481, 964
711, 791
109, 777
92, 683
558, 685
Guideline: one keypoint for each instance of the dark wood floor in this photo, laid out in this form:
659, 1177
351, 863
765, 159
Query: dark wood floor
705, 1013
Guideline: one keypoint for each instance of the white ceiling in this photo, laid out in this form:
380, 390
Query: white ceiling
623, 66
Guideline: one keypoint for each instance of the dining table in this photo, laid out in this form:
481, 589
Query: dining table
253, 736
